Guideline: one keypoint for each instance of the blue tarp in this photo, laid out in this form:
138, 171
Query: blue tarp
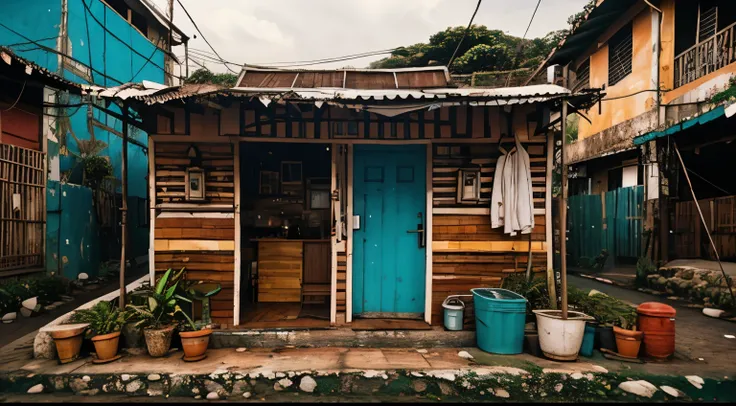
701, 119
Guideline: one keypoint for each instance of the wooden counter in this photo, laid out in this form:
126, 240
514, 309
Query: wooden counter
283, 264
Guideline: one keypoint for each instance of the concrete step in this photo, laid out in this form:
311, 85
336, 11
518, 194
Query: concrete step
342, 337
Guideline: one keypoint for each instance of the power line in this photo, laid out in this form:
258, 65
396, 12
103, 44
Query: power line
18, 99
200, 33
452, 59
521, 44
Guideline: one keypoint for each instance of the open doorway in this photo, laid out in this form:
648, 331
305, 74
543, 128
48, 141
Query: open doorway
285, 227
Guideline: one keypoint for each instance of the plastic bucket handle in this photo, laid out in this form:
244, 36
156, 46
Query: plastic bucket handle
451, 299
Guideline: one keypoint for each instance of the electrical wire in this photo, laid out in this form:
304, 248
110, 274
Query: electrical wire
18, 99
521, 44
155, 48
452, 59
200, 33
89, 43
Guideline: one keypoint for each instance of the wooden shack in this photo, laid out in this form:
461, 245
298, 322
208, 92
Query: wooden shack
318, 198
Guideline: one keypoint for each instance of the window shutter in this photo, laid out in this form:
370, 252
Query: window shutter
620, 53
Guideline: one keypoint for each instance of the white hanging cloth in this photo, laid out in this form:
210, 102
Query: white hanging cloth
512, 203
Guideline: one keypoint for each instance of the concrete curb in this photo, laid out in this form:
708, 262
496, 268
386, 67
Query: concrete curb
479, 383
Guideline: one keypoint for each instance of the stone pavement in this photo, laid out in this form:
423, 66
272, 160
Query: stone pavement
449, 373
701, 339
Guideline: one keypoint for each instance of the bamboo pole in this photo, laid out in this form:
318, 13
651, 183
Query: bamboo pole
563, 213
124, 207
702, 219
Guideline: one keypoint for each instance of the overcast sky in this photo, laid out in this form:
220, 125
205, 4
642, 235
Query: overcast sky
263, 31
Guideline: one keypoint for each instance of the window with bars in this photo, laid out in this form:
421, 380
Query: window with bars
582, 76
708, 24
620, 53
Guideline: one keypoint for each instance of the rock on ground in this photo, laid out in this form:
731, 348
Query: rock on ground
308, 384
464, 354
639, 388
696, 381
213, 396
672, 391
36, 388
501, 393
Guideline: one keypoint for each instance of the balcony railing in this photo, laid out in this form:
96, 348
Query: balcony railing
706, 57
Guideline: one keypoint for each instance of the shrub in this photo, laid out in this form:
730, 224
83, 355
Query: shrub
103, 318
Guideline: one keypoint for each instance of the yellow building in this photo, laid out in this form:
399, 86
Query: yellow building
660, 63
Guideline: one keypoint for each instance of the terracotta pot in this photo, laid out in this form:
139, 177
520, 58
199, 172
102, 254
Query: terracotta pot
68, 340
158, 341
106, 345
195, 342
628, 342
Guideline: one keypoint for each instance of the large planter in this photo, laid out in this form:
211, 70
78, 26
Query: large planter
158, 341
68, 340
133, 336
561, 339
106, 345
195, 344
628, 342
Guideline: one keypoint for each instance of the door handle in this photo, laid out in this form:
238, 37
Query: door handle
420, 230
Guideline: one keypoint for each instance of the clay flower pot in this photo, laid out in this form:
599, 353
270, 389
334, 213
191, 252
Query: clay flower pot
133, 336
68, 340
195, 343
158, 341
628, 341
106, 345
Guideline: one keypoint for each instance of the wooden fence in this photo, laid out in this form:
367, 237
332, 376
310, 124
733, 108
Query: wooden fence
22, 209
691, 240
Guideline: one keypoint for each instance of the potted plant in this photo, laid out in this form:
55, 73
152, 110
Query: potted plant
536, 293
156, 316
194, 338
104, 320
612, 315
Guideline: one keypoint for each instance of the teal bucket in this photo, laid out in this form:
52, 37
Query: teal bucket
586, 349
454, 311
500, 317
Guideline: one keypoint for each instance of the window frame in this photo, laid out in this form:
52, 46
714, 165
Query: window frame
615, 48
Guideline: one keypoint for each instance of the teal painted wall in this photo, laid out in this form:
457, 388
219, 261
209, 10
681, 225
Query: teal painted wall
115, 54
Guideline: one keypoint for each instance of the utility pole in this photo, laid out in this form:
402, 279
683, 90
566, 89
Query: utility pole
171, 23
124, 207
563, 212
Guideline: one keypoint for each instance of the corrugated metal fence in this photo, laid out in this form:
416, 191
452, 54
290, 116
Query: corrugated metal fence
610, 221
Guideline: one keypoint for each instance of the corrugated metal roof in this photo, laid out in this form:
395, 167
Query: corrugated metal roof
407, 78
150, 94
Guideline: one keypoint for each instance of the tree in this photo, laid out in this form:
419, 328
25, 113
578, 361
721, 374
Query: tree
204, 76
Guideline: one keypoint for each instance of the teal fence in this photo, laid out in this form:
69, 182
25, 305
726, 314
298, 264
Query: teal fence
610, 221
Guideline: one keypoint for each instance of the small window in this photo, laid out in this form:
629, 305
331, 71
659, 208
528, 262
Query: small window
582, 79
708, 22
620, 52
352, 128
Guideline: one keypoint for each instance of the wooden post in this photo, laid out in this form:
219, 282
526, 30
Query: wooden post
551, 280
152, 210
186, 59
171, 24
124, 207
237, 253
563, 212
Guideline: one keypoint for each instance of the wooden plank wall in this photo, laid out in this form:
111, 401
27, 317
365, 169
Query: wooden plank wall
171, 163
467, 253
280, 271
202, 241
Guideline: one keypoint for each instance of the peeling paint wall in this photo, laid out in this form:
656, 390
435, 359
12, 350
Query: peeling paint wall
105, 56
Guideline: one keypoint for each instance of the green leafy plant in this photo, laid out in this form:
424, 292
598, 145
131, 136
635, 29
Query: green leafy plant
644, 267
605, 309
96, 169
535, 291
103, 318
161, 302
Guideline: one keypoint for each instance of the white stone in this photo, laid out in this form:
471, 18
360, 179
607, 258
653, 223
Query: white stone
155, 392
422, 351
247, 395
696, 381
241, 349
448, 375
198, 397
639, 388
576, 375
308, 384
370, 373
86, 378
36, 388
285, 382
213, 396
154, 377
280, 374
599, 368
464, 354
133, 386
672, 391
417, 374
558, 387
501, 393
589, 376
83, 276
9, 317
290, 374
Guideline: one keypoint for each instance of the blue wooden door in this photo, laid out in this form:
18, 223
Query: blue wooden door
389, 195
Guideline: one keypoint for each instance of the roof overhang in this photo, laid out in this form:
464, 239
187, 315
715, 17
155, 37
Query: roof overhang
716, 113
16, 67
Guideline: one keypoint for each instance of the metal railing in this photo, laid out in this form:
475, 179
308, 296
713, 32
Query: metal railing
706, 57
